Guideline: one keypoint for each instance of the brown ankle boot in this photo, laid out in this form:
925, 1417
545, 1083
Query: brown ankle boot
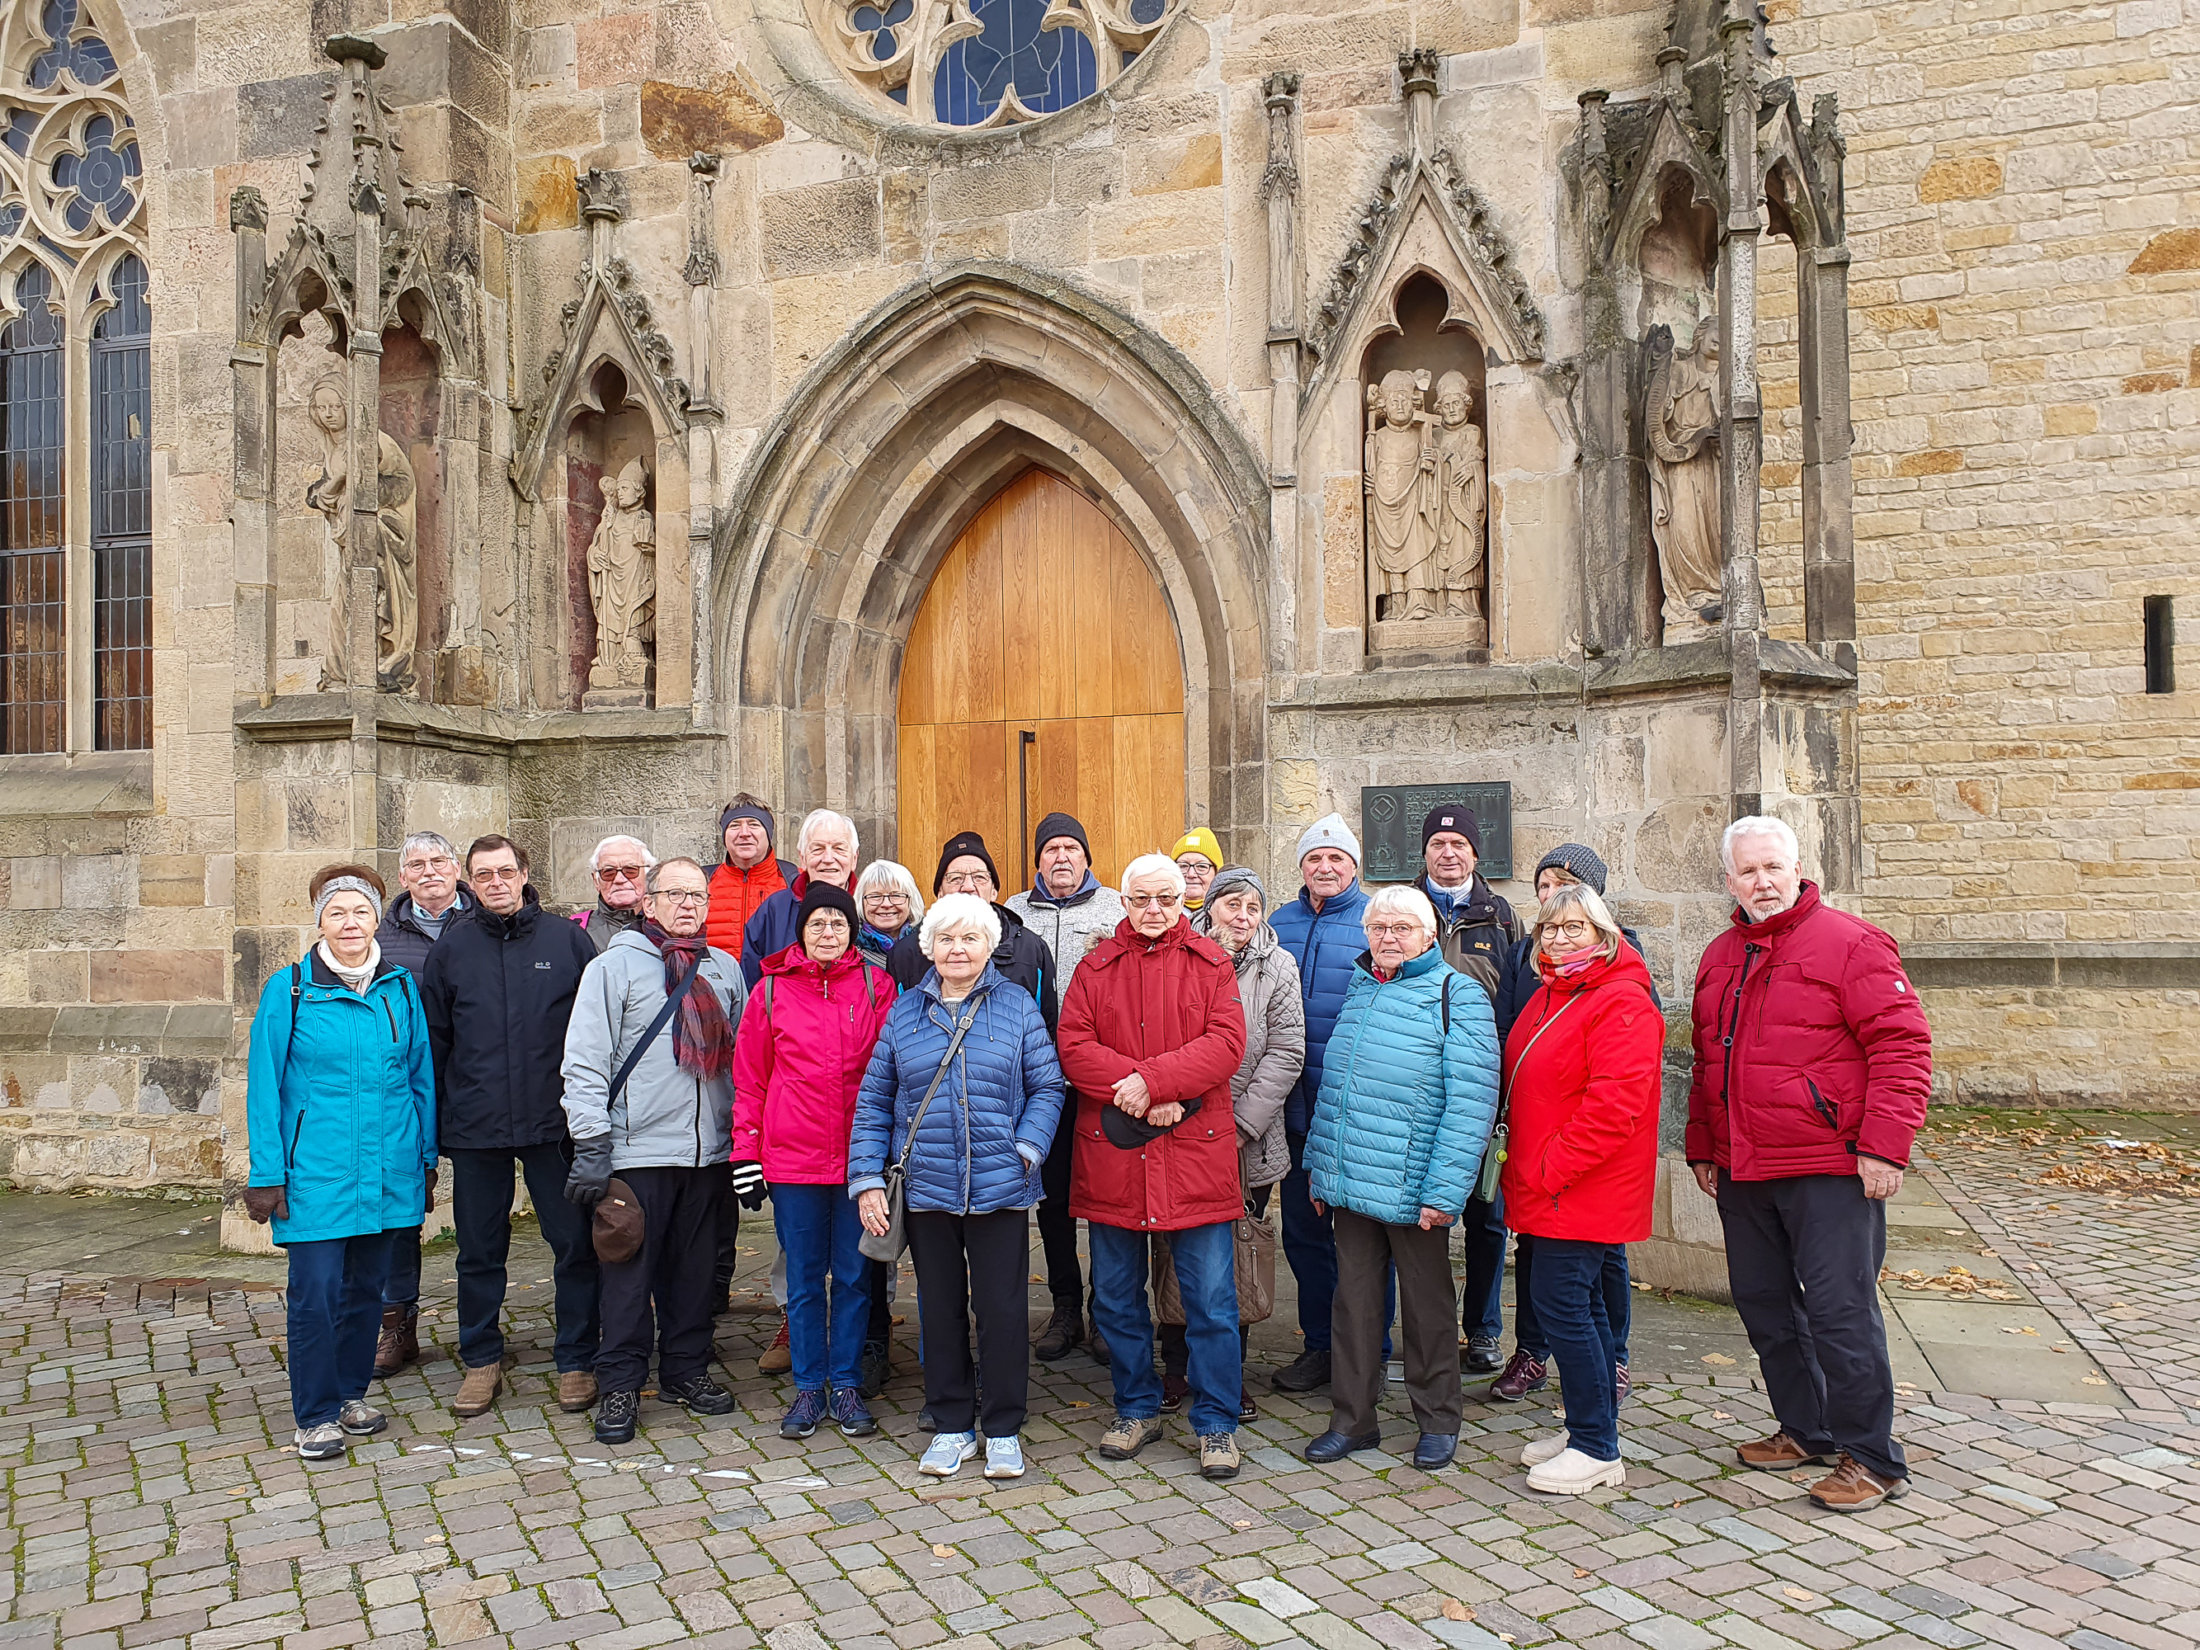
399, 1342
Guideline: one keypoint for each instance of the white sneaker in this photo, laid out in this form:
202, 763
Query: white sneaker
1004, 1457
1539, 1450
948, 1452
322, 1443
361, 1420
1570, 1472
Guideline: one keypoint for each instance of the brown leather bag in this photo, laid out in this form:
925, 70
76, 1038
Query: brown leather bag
1254, 1240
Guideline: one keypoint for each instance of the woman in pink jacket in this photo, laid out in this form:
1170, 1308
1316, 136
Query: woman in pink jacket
798, 1061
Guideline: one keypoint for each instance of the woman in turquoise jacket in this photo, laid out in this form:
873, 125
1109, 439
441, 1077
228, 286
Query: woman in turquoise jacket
340, 1116
1408, 1098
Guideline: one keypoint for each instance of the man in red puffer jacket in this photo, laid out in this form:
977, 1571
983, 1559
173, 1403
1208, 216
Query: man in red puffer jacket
1152, 1031
1813, 1064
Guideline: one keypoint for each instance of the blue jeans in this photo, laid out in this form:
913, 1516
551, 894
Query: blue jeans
1619, 1300
1310, 1246
333, 1307
1206, 1278
1569, 1303
819, 1230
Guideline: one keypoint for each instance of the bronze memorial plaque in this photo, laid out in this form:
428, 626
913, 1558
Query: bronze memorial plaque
1391, 818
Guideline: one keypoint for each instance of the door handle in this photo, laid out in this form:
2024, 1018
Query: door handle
1025, 739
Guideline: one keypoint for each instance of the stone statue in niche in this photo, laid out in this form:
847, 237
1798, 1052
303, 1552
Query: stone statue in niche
1427, 485
396, 599
1681, 416
1462, 504
622, 585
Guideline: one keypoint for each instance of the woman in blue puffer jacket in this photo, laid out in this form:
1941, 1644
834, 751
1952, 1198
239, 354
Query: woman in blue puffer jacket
1408, 1097
972, 1172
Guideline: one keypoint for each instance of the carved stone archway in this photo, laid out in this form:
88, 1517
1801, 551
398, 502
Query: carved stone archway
886, 451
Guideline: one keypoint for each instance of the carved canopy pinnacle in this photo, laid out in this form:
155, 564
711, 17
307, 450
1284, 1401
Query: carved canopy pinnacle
603, 194
247, 208
355, 48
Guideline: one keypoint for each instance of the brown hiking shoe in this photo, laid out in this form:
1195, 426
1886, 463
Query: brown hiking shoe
576, 1390
1775, 1454
399, 1342
478, 1390
778, 1357
1125, 1437
1854, 1487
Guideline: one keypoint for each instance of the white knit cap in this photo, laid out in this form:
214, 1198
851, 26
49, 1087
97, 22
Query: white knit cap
1330, 831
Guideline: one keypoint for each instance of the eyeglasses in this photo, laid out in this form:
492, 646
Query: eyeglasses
885, 899
619, 873
1149, 902
1571, 930
1392, 930
434, 862
966, 882
682, 896
498, 873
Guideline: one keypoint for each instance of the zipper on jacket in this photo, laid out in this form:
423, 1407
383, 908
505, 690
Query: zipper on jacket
1731, 1025
1820, 1105
392, 1018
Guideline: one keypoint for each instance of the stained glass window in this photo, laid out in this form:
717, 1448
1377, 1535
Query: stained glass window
33, 571
993, 62
1049, 68
122, 514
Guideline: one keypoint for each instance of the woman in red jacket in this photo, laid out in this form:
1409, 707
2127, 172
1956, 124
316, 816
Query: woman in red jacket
798, 1061
1582, 1083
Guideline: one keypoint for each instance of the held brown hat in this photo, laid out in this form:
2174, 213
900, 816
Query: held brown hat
617, 1226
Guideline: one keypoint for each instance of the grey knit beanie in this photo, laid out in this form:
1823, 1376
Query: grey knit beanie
1577, 862
1233, 879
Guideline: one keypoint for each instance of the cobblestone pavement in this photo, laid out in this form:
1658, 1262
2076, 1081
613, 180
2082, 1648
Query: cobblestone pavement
149, 1505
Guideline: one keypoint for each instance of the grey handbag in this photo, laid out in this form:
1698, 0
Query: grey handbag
889, 1244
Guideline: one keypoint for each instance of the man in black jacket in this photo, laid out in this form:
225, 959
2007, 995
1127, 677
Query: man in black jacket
498, 991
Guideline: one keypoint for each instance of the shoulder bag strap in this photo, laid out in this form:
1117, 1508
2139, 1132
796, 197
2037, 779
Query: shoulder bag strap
634, 1055
1505, 1102
953, 1043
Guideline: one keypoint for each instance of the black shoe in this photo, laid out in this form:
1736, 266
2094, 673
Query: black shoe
616, 1413
1096, 1342
1435, 1450
699, 1396
1064, 1333
1248, 1411
1174, 1390
721, 1300
1303, 1373
851, 1414
1335, 1446
1483, 1356
803, 1414
878, 1364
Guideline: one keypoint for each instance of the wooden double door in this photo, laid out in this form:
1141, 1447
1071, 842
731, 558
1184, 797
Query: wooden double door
1043, 673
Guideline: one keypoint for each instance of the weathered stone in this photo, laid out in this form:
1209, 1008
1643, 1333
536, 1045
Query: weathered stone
548, 195
728, 116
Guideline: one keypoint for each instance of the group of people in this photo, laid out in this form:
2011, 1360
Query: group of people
1153, 1060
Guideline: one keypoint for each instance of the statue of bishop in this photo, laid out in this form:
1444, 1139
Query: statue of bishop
622, 583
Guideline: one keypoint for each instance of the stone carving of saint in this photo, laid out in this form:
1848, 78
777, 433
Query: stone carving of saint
1462, 501
396, 600
1401, 489
1682, 418
622, 583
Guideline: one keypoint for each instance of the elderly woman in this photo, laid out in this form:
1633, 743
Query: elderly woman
963, 1091
1234, 917
340, 1116
806, 1037
1408, 1097
1581, 1074
888, 902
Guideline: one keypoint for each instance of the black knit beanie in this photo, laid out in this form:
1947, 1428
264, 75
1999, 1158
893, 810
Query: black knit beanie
961, 843
1456, 817
1055, 825
824, 896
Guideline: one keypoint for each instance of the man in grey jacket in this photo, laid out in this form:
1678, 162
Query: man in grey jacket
665, 1132
1069, 909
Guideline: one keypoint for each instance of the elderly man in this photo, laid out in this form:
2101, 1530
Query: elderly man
1152, 1033
498, 991
1069, 909
666, 1132
1475, 924
748, 875
427, 866
1321, 929
619, 867
1813, 1064
826, 849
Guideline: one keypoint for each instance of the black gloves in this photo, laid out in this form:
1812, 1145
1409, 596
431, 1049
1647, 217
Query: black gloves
748, 1184
265, 1203
590, 1178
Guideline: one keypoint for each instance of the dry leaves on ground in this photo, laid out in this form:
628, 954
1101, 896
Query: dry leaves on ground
2126, 1166
1956, 1280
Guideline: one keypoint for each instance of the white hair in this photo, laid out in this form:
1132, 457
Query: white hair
820, 819
427, 839
959, 911
884, 876
1154, 865
1759, 825
1401, 899
595, 859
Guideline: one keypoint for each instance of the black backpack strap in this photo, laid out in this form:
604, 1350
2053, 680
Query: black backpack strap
297, 991
1447, 1006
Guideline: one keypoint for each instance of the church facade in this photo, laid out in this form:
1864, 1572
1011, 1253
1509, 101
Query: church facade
551, 418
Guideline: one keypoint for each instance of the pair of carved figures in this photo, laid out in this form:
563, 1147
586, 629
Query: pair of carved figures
1427, 482
1681, 420
397, 542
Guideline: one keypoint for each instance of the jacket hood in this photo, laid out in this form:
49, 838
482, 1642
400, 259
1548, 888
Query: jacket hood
1084, 891
1806, 901
1626, 964
1412, 969
516, 922
1260, 945
1478, 900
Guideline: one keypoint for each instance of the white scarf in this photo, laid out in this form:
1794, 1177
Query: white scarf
356, 978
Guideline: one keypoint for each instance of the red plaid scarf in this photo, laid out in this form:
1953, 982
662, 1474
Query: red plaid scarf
702, 1041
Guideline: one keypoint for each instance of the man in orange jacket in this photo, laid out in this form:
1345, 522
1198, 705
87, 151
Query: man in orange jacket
747, 876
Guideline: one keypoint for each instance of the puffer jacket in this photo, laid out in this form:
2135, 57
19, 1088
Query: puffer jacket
402, 938
805, 1041
1583, 1078
1520, 980
1406, 1108
1275, 1051
665, 1118
736, 896
1004, 1090
340, 1102
772, 929
1811, 1047
498, 991
1166, 1008
1070, 927
1324, 946
1475, 928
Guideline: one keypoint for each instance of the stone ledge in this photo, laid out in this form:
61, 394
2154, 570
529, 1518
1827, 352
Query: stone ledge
80, 784
175, 1029
2047, 965
312, 717
1692, 666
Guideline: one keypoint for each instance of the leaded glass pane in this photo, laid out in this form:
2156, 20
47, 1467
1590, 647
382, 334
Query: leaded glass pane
122, 513
1049, 68
33, 575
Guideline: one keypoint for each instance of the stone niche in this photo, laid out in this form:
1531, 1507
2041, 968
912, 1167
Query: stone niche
610, 439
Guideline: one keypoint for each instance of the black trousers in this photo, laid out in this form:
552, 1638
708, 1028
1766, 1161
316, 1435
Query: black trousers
1057, 1226
481, 1214
727, 1247
1803, 1255
967, 1262
663, 1293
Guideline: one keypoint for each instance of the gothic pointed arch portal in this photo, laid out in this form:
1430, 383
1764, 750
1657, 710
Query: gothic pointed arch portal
893, 445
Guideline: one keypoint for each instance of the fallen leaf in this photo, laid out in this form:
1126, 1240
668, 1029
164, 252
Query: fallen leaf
1721, 1415
1455, 1611
941, 1549
1797, 1594
2096, 1380
1079, 1403
1719, 1358
1241, 1523
1579, 1574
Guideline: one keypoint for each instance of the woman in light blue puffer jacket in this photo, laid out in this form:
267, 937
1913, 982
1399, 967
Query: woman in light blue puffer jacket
1408, 1098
